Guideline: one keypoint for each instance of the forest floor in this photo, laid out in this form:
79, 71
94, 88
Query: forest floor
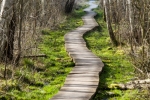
117, 69
41, 78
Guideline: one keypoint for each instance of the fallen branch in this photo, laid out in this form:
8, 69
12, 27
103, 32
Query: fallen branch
143, 84
34, 56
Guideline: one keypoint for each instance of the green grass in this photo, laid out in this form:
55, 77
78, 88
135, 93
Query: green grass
41, 78
117, 66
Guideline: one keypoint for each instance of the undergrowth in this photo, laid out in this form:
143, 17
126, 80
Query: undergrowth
41, 78
117, 65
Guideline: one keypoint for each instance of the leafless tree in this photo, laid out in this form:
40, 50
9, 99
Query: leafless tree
108, 20
132, 26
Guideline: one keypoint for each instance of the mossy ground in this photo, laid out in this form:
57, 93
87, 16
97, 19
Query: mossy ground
117, 69
41, 78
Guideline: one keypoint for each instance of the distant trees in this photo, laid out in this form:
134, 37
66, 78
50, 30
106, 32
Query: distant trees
21, 21
131, 26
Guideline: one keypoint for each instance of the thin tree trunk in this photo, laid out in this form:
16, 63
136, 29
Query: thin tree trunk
20, 31
131, 24
104, 15
10, 35
43, 4
111, 33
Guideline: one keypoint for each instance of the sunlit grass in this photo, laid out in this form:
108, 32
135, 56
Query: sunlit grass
41, 78
117, 69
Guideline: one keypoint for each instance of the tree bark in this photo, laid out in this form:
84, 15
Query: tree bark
21, 3
43, 6
10, 35
69, 6
131, 23
107, 14
6, 14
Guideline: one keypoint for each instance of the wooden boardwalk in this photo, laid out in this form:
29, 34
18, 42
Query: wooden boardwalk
82, 81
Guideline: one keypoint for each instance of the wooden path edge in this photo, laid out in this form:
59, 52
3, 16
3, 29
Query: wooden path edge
83, 80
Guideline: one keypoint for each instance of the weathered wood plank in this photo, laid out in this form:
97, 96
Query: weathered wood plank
82, 81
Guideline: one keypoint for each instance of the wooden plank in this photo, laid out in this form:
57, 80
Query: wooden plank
82, 81
94, 83
71, 95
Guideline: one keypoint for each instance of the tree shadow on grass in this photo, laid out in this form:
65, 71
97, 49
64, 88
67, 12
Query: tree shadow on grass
104, 93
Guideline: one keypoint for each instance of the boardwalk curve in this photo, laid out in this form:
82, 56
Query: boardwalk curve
82, 81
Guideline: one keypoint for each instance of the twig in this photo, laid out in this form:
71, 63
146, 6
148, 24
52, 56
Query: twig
34, 56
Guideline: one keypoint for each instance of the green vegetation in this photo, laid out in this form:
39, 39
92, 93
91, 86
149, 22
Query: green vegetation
117, 69
41, 78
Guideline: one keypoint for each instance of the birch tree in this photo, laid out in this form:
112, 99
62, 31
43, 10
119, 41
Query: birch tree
43, 7
131, 22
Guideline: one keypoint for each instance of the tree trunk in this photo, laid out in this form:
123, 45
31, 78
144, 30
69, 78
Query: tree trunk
104, 15
21, 3
6, 14
69, 6
107, 14
10, 35
131, 24
43, 6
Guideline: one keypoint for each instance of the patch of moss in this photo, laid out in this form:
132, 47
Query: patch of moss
41, 78
117, 67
